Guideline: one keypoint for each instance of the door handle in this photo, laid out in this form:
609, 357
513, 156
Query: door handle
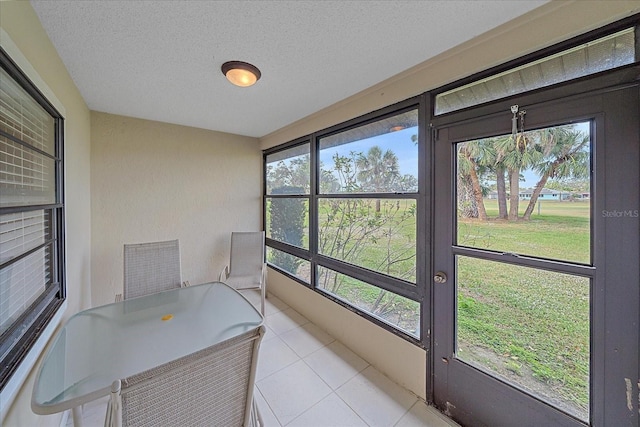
440, 277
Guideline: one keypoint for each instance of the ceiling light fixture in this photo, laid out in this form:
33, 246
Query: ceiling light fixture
241, 73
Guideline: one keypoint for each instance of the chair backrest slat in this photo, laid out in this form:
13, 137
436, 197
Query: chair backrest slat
212, 387
151, 267
247, 253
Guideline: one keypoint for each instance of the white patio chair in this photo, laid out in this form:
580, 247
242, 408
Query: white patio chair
211, 387
150, 268
247, 268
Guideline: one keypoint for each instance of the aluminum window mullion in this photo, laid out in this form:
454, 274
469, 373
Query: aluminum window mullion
285, 247
382, 281
527, 261
368, 196
314, 169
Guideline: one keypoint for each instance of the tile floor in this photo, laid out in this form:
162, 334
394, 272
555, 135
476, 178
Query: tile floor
306, 378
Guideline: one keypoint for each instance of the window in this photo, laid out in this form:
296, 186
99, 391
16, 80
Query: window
31, 215
287, 209
611, 51
351, 233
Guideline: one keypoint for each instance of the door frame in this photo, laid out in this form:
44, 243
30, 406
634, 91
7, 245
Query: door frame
614, 338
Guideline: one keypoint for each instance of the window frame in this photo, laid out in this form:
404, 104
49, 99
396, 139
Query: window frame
607, 30
276, 244
417, 291
44, 312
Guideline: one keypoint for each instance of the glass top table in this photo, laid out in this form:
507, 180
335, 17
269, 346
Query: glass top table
113, 341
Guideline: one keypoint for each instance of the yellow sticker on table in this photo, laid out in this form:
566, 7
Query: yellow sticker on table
167, 317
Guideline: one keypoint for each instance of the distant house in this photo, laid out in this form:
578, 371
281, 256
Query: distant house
547, 194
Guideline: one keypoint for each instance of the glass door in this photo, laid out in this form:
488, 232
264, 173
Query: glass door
524, 231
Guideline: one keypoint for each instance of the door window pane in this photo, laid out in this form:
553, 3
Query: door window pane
528, 194
527, 326
379, 157
377, 234
397, 310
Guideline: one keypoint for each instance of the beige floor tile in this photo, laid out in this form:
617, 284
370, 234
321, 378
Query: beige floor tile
273, 356
335, 364
306, 339
269, 334
293, 390
274, 305
330, 411
285, 321
376, 399
266, 413
423, 415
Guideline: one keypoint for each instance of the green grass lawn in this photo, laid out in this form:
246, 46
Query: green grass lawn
528, 326
561, 231
534, 323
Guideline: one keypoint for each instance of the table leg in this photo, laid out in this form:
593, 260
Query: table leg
76, 412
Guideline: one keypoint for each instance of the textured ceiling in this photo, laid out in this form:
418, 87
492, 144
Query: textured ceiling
160, 60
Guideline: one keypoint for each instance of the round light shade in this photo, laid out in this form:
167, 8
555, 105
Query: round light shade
241, 73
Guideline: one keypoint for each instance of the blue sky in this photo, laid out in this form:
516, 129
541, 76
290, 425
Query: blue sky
399, 142
531, 178
407, 151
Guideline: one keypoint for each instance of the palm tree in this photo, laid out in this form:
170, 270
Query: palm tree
518, 154
564, 154
378, 171
497, 162
472, 156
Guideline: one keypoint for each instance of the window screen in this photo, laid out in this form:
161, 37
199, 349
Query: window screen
602, 54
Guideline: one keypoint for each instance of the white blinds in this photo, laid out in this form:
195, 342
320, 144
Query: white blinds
27, 178
23, 118
21, 283
21, 232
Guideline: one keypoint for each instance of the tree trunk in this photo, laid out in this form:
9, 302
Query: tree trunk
514, 196
534, 197
467, 206
477, 192
501, 189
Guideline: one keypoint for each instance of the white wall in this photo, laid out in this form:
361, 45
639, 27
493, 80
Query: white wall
156, 181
